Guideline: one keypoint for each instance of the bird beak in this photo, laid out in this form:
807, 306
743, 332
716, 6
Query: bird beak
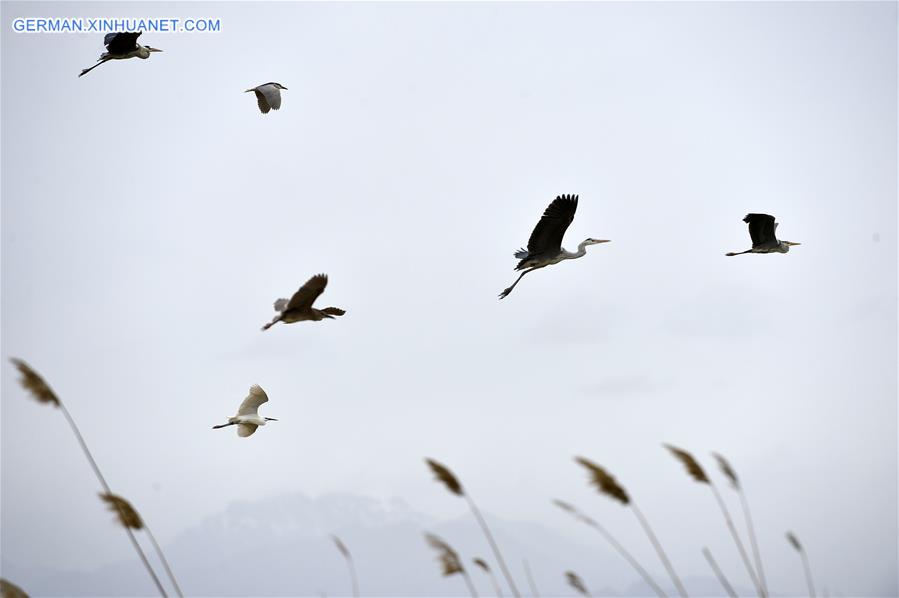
153, 50
271, 419
603, 240
792, 243
282, 87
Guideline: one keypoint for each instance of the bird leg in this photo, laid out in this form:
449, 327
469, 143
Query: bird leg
506, 292
737, 253
272, 323
86, 71
224, 425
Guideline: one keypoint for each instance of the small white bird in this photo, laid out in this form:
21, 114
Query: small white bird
248, 418
268, 95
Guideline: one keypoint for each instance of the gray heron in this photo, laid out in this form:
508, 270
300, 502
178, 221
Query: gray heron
120, 46
248, 418
268, 96
545, 245
761, 229
299, 307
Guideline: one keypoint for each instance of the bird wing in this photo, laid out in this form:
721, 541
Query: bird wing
308, 293
250, 405
121, 42
244, 430
761, 228
273, 95
548, 233
263, 103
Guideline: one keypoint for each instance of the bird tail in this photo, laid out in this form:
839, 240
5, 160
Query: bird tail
522, 254
333, 311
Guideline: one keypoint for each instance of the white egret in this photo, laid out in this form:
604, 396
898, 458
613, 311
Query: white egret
248, 418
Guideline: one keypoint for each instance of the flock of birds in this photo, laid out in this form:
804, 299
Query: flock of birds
544, 245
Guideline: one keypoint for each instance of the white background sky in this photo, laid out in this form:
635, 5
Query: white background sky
151, 215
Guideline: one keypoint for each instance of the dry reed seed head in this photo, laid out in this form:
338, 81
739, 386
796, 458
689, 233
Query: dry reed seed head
444, 475
33, 383
576, 582
11, 590
792, 539
482, 564
604, 482
341, 547
128, 517
693, 467
727, 470
449, 558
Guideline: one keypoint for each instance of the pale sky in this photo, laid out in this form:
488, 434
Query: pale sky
151, 215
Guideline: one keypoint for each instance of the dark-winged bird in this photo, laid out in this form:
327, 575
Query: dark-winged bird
545, 244
761, 229
299, 307
120, 46
268, 96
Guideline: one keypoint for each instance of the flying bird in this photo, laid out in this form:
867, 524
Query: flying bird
761, 229
120, 46
299, 308
248, 418
545, 245
268, 95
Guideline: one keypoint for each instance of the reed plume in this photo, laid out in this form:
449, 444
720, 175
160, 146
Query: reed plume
698, 473
32, 382
577, 514
794, 541
10, 590
349, 561
486, 568
446, 477
607, 485
577, 583
731, 475
718, 573
450, 563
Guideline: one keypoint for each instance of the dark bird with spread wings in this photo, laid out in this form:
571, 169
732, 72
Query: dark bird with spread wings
299, 307
761, 229
268, 96
120, 46
545, 245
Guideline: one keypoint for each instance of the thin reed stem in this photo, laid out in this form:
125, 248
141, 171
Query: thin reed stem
165, 562
808, 574
499, 591
727, 587
474, 592
527, 571
757, 556
493, 546
737, 541
661, 552
352, 566
93, 463
629, 558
